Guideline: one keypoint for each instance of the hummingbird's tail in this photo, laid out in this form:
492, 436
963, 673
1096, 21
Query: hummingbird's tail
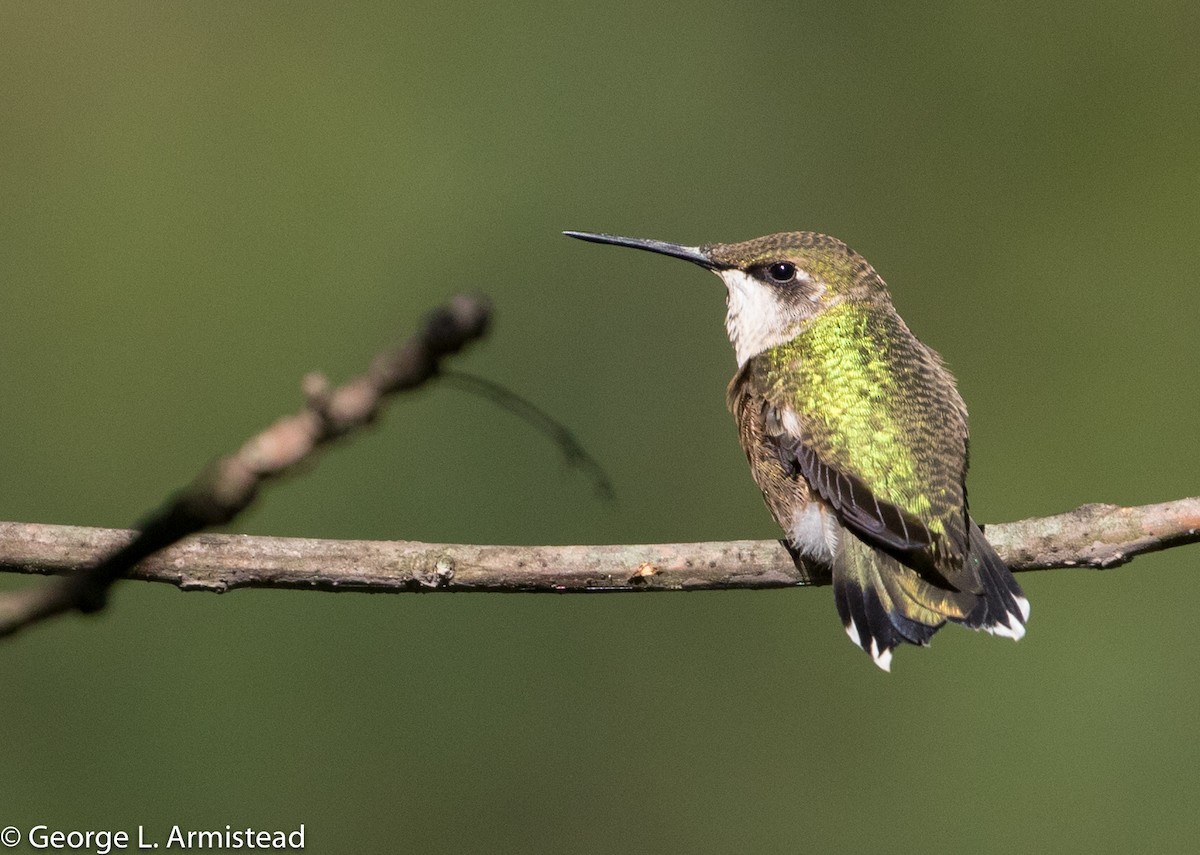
884, 603
1002, 608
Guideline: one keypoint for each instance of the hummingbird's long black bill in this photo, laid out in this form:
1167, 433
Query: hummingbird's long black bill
694, 254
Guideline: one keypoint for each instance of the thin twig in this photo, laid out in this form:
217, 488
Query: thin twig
574, 453
1097, 536
230, 484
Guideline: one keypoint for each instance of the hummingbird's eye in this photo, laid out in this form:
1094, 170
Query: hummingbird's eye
782, 272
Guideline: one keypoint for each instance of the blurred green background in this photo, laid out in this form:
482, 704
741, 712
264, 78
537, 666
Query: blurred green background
201, 202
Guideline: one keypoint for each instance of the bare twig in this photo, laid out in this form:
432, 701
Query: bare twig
1096, 536
229, 485
575, 454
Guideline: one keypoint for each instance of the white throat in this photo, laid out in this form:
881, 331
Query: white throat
753, 317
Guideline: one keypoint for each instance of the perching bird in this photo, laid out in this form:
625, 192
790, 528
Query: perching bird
857, 437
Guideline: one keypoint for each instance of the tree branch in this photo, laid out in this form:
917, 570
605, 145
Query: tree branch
230, 484
1098, 536
91, 560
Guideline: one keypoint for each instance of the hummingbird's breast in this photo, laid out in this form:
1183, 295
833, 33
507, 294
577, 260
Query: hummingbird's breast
809, 523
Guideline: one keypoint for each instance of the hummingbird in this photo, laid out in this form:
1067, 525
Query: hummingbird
857, 437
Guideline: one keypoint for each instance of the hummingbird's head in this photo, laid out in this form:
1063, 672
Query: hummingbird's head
774, 284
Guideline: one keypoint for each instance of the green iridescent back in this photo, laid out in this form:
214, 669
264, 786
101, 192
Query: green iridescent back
876, 403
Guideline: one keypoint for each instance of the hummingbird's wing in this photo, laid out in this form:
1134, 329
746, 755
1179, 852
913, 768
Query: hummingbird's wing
794, 457
933, 549
892, 583
880, 522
